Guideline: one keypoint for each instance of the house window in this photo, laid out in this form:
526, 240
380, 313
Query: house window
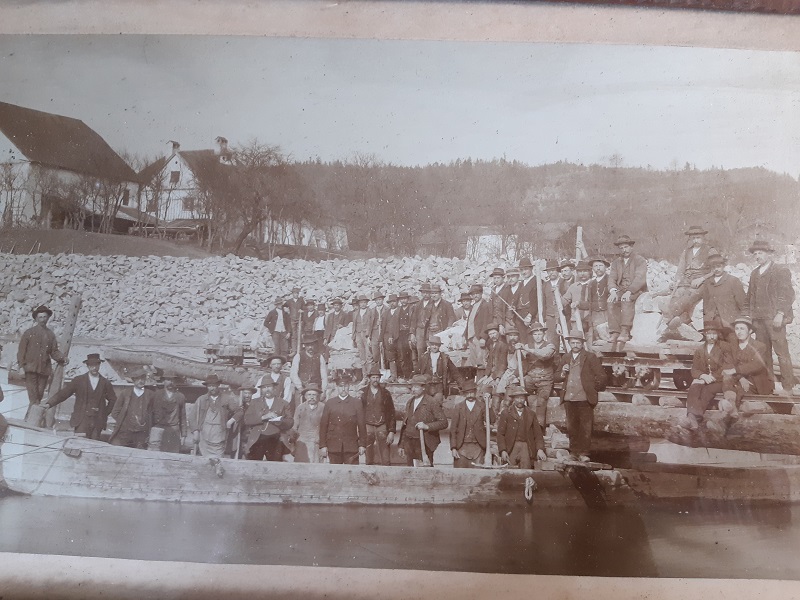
174, 177
188, 203
126, 197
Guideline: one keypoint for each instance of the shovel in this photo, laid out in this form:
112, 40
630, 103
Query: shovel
423, 462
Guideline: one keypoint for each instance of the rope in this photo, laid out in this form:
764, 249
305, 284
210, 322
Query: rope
45, 447
530, 486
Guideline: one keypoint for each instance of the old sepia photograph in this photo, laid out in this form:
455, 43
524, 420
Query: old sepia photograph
433, 305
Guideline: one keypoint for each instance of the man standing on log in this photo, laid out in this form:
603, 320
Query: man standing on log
277, 323
693, 269
376, 335
628, 279
479, 318
419, 323
440, 371
578, 300
498, 277
424, 417
405, 362
598, 300
307, 418
169, 418
268, 419
94, 399
380, 419
770, 296
133, 414
390, 329
343, 428
722, 295
468, 429
708, 366
519, 435
37, 347
295, 305
538, 379
215, 413
363, 324
583, 376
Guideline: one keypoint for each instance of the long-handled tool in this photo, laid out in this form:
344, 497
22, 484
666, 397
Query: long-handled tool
487, 455
424, 461
561, 318
514, 310
539, 293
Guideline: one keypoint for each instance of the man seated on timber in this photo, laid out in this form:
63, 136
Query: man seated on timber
628, 280
748, 374
133, 414
169, 418
423, 417
540, 364
583, 376
380, 418
708, 364
215, 412
693, 270
305, 428
343, 428
267, 418
519, 435
94, 399
439, 369
468, 429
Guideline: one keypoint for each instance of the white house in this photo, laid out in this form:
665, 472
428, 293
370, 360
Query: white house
56, 171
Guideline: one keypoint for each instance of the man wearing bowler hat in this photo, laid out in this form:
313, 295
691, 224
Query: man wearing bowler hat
627, 280
278, 323
335, 320
376, 345
363, 325
308, 368
439, 369
583, 376
294, 304
268, 418
508, 301
305, 429
94, 399
442, 315
538, 380
528, 306
390, 330
133, 413
770, 296
343, 429
722, 295
468, 429
215, 413
380, 418
550, 309
37, 347
405, 353
479, 318
419, 324
423, 417
694, 269
519, 435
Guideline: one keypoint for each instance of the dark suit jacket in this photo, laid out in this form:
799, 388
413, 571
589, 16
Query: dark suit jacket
390, 328
714, 363
770, 293
636, 273
503, 314
440, 317
511, 426
343, 428
497, 359
120, 410
750, 365
483, 318
272, 319
724, 299
256, 409
463, 417
446, 372
224, 402
593, 376
81, 388
385, 398
333, 322
429, 412
529, 301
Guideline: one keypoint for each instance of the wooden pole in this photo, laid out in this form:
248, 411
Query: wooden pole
539, 292
425, 461
487, 455
64, 344
561, 318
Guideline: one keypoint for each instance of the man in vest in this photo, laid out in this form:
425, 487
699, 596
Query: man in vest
541, 356
770, 296
284, 387
379, 416
37, 347
628, 279
390, 330
598, 300
528, 305
578, 300
479, 318
550, 310
508, 299
405, 362
498, 279
267, 418
693, 270
363, 323
308, 368
94, 399
419, 323
170, 425
441, 315
468, 429
423, 417
335, 320
439, 369
133, 414
343, 429
519, 435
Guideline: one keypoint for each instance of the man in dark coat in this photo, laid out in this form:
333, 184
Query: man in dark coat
390, 330
380, 420
598, 300
441, 314
405, 361
508, 301
468, 429
419, 323
294, 304
37, 347
267, 418
478, 319
94, 399
170, 424
519, 435
722, 295
709, 364
424, 416
133, 414
627, 279
278, 322
583, 376
770, 296
528, 306
215, 413
439, 369
343, 428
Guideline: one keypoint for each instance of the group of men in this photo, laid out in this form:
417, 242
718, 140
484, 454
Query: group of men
514, 335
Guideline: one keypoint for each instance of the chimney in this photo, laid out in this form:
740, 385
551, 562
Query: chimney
175, 146
222, 146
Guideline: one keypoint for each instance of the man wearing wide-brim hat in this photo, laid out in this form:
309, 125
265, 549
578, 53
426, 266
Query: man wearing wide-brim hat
498, 278
583, 376
37, 347
364, 320
509, 298
308, 368
278, 323
335, 320
380, 418
540, 368
577, 300
770, 296
268, 419
528, 307
215, 413
468, 429
598, 299
377, 347
419, 324
442, 314
390, 335
519, 435
709, 364
307, 417
627, 280
94, 398
550, 309
294, 304
693, 270
133, 413
722, 295
423, 417
479, 317
282, 382
439, 368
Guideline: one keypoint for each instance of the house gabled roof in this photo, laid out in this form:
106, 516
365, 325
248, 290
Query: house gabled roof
148, 174
204, 165
61, 142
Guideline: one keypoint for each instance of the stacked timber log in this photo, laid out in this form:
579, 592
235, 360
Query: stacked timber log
226, 298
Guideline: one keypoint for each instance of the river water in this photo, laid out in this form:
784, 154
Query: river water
667, 541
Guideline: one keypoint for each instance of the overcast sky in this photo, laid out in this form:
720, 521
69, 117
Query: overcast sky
413, 102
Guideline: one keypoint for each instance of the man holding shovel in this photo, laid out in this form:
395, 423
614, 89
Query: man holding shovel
37, 347
423, 420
